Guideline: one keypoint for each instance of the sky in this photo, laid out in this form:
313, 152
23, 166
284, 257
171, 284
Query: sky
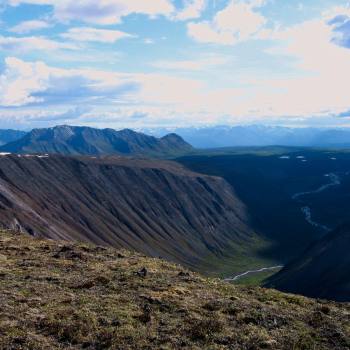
174, 63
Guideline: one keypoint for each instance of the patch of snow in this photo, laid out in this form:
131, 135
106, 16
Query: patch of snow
4, 154
36, 156
285, 157
300, 157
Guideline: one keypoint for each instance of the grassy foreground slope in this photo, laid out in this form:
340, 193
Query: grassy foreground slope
64, 296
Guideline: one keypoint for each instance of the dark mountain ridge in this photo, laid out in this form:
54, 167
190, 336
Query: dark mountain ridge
155, 207
9, 135
322, 271
74, 140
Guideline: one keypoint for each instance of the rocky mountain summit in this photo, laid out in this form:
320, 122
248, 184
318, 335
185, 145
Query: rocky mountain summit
75, 140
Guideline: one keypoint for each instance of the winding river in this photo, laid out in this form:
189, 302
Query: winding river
334, 180
306, 210
251, 272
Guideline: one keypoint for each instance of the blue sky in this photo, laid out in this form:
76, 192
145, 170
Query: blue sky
148, 63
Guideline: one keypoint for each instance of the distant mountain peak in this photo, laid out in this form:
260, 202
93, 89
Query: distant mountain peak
64, 131
9, 135
172, 136
259, 136
76, 140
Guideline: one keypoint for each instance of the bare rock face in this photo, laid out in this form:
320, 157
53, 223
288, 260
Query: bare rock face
154, 207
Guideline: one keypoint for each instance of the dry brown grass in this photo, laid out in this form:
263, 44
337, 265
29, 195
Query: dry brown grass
64, 296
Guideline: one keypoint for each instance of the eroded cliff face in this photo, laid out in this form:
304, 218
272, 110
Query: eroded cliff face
155, 207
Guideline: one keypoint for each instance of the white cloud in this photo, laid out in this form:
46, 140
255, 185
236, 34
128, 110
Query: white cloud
95, 35
32, 115
319, 89
24, 83
29, 26
33, 43
203, 63
205, 32
316, 86
337, 11
103, 12
238, 21
19, 81
149, 41
323, 85
192, 9
108, 12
